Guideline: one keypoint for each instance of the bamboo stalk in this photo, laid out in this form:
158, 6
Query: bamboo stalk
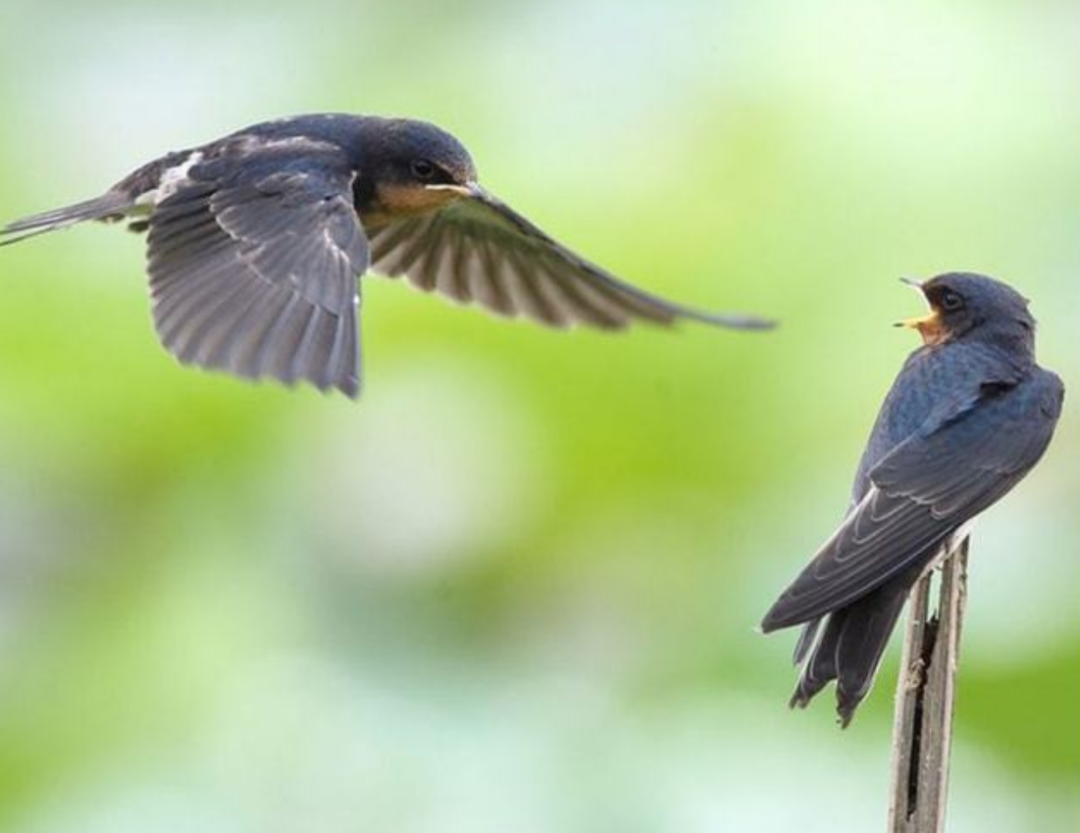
922, 734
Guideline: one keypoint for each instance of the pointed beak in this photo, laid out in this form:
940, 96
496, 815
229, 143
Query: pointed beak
930, 326
919, 322
469, 190
922, 323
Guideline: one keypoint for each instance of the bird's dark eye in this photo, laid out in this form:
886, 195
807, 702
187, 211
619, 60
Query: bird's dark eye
951, 301
424, 170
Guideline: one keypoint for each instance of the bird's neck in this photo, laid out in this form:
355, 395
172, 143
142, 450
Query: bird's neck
1010, 342
1013, 342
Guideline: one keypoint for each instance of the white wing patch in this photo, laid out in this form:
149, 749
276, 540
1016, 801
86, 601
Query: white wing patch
172, 180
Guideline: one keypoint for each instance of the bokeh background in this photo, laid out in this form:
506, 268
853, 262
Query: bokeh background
515, 587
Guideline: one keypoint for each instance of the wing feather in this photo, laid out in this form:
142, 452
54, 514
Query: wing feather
923, 491
479, 250
254, 263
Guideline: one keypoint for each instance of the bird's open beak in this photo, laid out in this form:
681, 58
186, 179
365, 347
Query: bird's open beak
922, 323
930, 326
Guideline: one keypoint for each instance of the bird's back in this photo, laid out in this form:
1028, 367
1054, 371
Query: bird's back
931, 376
340, 129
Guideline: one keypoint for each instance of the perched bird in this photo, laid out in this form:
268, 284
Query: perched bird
968, 417
257, 240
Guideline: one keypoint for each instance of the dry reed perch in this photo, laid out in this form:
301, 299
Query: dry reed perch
926, 691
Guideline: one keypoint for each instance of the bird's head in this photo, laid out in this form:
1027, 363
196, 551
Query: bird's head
964, 305
412, 168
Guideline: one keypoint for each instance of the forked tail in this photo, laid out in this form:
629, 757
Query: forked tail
850, 647
110, 204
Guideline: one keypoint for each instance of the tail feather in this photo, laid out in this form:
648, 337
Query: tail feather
851, 646
110, 204
818, 659
806, 641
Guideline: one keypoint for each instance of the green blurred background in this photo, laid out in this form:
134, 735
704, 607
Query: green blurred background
515, 587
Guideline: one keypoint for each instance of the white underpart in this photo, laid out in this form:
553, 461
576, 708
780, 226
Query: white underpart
172, 179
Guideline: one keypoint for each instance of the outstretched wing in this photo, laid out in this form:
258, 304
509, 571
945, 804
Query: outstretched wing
923, 491
480, 250
254, 262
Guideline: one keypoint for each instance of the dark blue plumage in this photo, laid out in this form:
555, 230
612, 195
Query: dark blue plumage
256, 242
969, 415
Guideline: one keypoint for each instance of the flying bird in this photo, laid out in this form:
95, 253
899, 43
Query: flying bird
967, 418
256, 243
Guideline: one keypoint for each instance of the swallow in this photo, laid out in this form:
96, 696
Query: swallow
256, 243
969, 415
